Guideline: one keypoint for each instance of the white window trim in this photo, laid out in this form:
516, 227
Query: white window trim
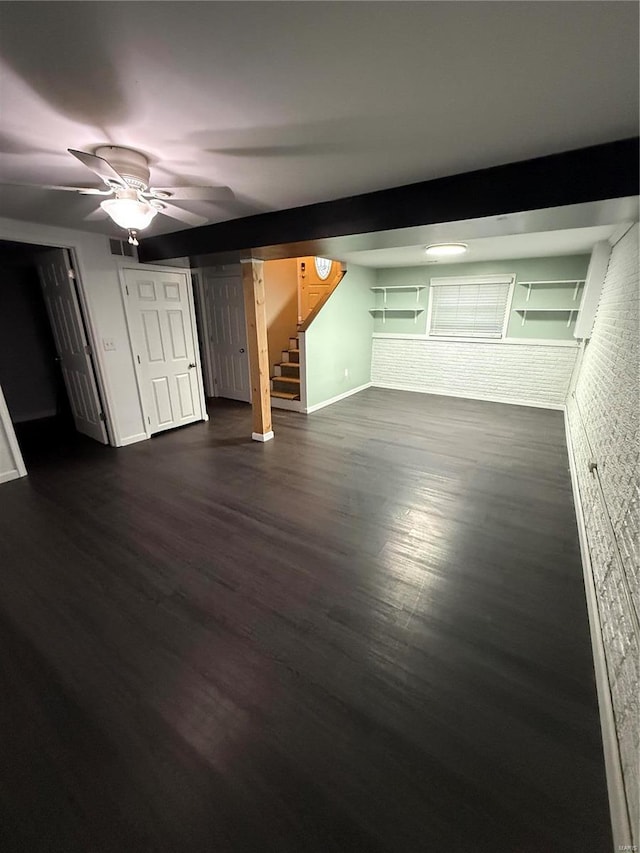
503, 278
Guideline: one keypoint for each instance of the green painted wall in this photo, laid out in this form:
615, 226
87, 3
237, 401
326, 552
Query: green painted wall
545, 326
339, 339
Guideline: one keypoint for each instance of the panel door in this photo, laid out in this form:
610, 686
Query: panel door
226, 316
160, 319
61, 300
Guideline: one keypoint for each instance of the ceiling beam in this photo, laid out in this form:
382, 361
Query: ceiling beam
587, 174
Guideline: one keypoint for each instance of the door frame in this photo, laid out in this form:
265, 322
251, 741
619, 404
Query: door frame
200, 286
200, 302
75, 253
127, 264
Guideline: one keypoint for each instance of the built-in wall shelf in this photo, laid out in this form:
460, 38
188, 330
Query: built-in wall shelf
406, 287
577, 283
384, 311
525, 311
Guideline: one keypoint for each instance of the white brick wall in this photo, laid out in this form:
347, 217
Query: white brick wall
517, 373
604, 412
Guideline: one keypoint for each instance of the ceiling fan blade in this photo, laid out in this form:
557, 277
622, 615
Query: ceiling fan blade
182, 215
195, 193
100, 166
81, 190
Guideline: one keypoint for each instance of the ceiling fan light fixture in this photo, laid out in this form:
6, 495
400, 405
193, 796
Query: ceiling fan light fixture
128, 212
445, 250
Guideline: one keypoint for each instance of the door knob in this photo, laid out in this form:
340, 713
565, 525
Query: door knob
191, 366
241, 349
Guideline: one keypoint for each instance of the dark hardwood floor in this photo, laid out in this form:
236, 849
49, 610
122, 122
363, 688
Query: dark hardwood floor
367, 635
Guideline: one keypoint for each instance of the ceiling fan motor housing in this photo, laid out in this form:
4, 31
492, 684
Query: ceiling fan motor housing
131, 165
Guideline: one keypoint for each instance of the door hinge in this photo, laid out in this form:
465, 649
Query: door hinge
127, 289
71, 274
149, 419
102, 416
138, 357
87, 349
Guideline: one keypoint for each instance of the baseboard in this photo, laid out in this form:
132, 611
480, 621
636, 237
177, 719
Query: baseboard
10, 475
289, 405
536, 404
620, 824
336, 399
262, 436
35, 416
132, 439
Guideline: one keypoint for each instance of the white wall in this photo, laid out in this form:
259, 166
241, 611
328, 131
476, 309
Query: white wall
603, 419
98, 270
515, 372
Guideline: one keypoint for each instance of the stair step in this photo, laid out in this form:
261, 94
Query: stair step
285, 395
287, 368
293, 343
294, 380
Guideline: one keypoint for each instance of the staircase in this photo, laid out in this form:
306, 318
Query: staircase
285, 382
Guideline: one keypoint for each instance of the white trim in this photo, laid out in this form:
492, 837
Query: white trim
536, 404
537, 342
458, 280
197, 280
262, 436
14, 474
136, 366
302, 359
19, 469
337, 399
613, 767
132, 439
196, 345
94, 341
289, 405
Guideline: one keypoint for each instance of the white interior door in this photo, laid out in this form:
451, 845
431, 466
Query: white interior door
228, 331
160, 316
61, 299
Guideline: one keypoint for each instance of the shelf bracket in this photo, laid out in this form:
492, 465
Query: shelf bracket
528, 292
575, 291
524, 317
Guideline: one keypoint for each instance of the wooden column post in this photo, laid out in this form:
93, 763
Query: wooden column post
254, 305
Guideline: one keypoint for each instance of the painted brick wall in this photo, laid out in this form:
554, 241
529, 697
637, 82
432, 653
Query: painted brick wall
604, 414
517, 373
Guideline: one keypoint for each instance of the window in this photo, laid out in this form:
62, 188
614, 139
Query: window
470, 307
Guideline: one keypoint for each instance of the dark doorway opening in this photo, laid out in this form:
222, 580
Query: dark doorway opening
30, 371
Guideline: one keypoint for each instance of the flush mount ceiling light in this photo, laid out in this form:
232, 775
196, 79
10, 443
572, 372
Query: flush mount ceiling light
445, 250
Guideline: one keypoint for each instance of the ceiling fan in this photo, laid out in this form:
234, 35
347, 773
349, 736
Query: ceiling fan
133, 203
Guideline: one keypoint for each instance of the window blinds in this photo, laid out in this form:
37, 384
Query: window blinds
470, 310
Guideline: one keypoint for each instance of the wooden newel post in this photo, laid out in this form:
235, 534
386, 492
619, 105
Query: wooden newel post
254, 304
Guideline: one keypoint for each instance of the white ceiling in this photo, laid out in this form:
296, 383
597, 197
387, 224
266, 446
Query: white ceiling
539, 244
293, 103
